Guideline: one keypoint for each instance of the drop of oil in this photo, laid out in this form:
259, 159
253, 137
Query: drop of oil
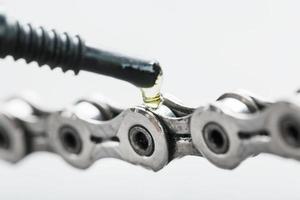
152, 97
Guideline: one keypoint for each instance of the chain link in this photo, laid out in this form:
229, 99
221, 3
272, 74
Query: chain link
226, 132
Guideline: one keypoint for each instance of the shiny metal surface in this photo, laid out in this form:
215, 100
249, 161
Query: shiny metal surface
226, 132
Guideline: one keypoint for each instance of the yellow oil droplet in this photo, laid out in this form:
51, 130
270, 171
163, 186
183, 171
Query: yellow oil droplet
152, 96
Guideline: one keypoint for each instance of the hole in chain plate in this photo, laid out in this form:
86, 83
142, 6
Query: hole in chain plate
4, 139
216, 138
290, 131
70, 140
141, 140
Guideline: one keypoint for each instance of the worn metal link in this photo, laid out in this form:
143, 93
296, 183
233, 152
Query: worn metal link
226, 132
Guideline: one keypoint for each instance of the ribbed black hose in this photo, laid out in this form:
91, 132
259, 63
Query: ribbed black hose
70, 53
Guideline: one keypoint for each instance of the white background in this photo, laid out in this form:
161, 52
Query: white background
205, 47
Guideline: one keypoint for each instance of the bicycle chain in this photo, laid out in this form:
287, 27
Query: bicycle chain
226, 132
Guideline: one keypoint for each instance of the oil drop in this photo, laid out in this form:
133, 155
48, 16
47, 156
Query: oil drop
152, 96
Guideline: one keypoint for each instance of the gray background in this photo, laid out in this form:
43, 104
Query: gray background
205, 47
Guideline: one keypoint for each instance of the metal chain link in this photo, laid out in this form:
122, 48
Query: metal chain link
226, 132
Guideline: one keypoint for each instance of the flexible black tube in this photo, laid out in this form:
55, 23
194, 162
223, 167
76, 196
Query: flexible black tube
138, 72
70, 53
